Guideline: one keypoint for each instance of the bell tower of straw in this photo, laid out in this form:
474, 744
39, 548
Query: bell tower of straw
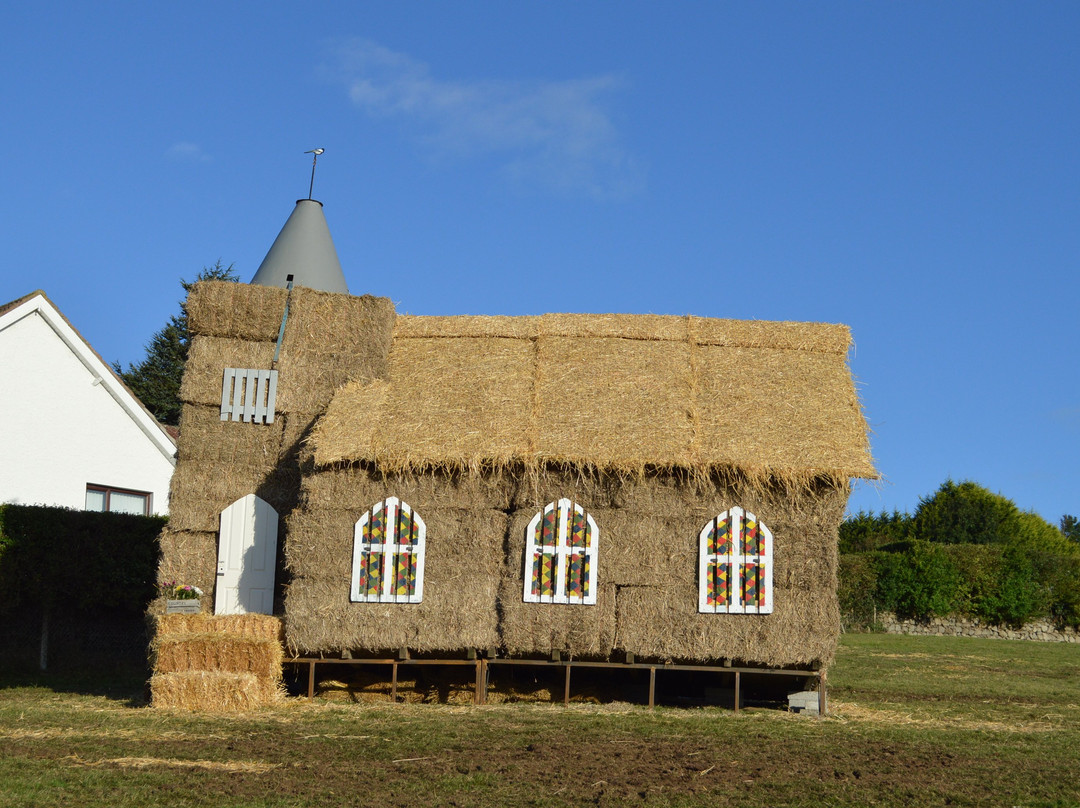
296, 319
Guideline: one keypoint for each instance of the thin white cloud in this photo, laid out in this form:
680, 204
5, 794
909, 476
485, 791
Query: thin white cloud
187, 152
555, 133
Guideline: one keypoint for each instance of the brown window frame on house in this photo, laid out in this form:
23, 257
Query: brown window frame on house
109, 490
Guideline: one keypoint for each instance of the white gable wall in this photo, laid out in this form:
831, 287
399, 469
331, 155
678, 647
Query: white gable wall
65, 420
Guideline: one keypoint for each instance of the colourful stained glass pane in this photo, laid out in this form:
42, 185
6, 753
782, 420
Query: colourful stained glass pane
718, 586
405, 578
543, 574
574, 569
373, 563
719, 537
406, 528
586, 588
548, 566
579, 529
753, 590
753, 539
547, 532
378, 525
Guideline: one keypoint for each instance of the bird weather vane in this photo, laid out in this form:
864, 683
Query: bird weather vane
314, 159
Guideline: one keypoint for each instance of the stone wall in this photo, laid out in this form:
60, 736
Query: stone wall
1038, 630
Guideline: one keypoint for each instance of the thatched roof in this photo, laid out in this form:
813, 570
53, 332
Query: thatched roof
618, 393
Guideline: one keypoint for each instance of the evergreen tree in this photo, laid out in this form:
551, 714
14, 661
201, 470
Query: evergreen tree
1070, 527
156, 379
965, 513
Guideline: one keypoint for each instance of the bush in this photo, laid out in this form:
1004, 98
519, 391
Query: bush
83, 558
865, 532
857, 586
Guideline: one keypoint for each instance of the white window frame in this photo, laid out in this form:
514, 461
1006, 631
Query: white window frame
563, 551
735, 559
389, 548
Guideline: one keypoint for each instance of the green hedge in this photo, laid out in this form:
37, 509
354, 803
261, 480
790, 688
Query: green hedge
77, 558
1009, 584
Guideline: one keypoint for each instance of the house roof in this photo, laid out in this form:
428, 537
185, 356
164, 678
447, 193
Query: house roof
621, 393
37, 302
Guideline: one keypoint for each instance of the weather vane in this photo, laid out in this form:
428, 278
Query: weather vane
314, 159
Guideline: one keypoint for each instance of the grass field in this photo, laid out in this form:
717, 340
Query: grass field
915, 721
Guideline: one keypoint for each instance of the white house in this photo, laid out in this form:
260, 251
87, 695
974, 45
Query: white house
71, 433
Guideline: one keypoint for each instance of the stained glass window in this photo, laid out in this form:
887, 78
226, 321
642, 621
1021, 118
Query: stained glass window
735, 558
388, 554
560, 555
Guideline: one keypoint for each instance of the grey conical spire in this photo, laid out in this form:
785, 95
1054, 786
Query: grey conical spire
304, 250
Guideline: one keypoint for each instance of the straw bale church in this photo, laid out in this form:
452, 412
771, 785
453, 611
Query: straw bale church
597, 486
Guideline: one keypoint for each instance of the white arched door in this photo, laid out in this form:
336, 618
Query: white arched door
247, 557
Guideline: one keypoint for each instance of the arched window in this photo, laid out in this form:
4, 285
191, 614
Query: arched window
560, 555
388, 554
735, 553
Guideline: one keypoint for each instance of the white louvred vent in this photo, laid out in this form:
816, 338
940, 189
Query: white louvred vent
248, 394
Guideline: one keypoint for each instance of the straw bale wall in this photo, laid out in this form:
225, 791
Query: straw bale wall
647, 567
461, 572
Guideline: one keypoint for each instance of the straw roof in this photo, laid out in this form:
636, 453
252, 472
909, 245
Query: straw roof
616, 393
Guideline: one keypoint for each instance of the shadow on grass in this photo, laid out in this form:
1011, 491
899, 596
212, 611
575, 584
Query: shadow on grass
126, 684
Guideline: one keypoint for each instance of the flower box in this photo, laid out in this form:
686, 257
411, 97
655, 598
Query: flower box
186, 606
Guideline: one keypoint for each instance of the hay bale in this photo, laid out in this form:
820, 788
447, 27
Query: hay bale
207, 359
529, 629
663, 623
206, 439
256, 627
189, 557
613, 403
235, 311
199, 493
461, 568
225, 653
786, 336
213, 691
793, 414
359, 324
465, 399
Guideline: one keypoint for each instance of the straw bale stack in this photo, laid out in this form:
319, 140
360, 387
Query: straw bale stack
216, 664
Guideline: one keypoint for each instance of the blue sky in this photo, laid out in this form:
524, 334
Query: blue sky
909, 169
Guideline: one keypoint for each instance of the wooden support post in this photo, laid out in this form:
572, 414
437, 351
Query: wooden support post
566, 687
311, 680
393, 682
652, 687
822, 696
476, 681
736, 691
